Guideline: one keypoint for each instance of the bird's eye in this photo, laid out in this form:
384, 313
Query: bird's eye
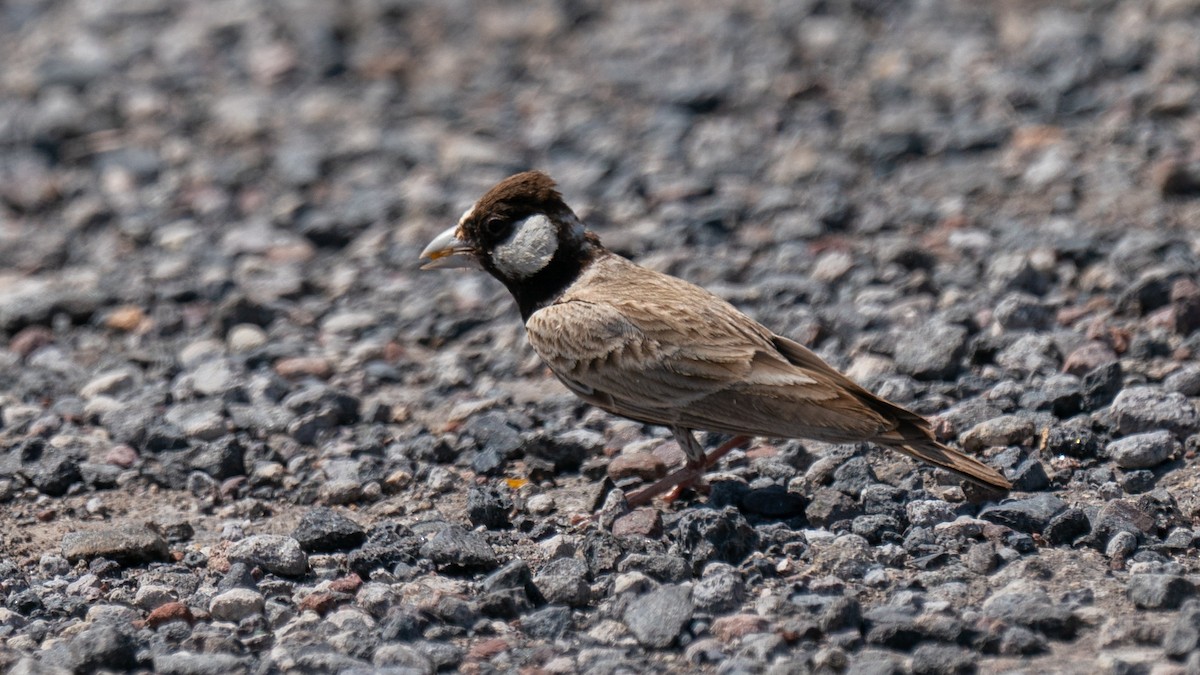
496, 226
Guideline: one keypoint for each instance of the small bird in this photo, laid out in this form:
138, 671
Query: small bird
659, 350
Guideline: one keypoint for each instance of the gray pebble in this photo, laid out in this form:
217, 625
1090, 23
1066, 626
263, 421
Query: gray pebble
127, 544
272, 552
454, 548
657, 618
564, 582
1159, 591
1143, 451
1143, 408
931, 352
236, 604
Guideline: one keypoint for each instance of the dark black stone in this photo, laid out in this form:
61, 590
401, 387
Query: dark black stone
549, 623
323, 529
490, 507
455, 549
1025, 515
1101, 385
707, 535
388, 544
773, 502
1066, 527
829, 506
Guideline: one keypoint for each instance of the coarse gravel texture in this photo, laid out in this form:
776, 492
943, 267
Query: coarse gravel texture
241, 432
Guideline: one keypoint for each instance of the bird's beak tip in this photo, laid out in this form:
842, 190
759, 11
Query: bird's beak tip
446, 251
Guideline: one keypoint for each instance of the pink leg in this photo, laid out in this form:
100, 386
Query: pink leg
684, 477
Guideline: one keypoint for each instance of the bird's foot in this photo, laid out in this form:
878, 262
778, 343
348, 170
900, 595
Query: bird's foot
674, 483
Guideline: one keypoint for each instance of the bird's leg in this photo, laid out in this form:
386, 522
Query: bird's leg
686, 476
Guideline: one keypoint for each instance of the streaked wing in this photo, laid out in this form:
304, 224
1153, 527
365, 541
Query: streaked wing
660, 350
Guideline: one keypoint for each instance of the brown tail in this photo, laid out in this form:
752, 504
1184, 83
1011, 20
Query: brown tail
956, 462
911, 433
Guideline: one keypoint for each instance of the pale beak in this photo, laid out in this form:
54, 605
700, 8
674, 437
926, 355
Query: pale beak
447, 251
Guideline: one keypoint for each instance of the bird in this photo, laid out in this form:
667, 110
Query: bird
660, 350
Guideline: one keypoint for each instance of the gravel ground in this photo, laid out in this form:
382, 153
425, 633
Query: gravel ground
240, 432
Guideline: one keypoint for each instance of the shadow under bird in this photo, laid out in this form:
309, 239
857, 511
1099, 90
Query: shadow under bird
659, 350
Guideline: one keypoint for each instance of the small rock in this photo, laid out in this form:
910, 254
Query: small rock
236, 604
1089, 357
1183, 637
929, 512
719, 591
1159, 591
245, 337
454, 548
490, 507
129, 544
932, 659
1029, 515
657, 618
931, 352
1001, 431
1121, 546
644, 465
274, 553
730, 628
323, 529
168, 612
1032, 609
1144, 408
639, 523
564, 581
1143, 451
828, 506
548, 623
304, 366
774, 501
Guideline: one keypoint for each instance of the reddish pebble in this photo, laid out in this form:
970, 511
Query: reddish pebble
730, 628
302, 366
168, 612
346, 584
762, 450
643, 522
640, 465
121, 455
1089, 357
30, 339
46, 515
319, 602
485, 650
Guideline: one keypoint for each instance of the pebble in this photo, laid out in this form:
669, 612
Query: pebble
456, 549
126, 544
1030, 515
323, 529
245, 337
657, 618
1143, 408
564, 582
1143, 451
931, 352
1159, 591
274, 553
236, 604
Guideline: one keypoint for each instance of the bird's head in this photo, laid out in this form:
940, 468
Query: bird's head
522, 233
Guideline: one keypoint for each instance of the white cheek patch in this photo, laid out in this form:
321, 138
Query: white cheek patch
528, 250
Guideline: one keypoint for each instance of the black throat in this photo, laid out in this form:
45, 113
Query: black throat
551, 281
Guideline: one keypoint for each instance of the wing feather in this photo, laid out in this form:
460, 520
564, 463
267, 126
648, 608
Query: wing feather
660, 350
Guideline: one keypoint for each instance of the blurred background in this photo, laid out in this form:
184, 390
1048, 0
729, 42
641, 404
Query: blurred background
162, 123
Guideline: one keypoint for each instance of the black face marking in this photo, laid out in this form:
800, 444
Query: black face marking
513, 200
